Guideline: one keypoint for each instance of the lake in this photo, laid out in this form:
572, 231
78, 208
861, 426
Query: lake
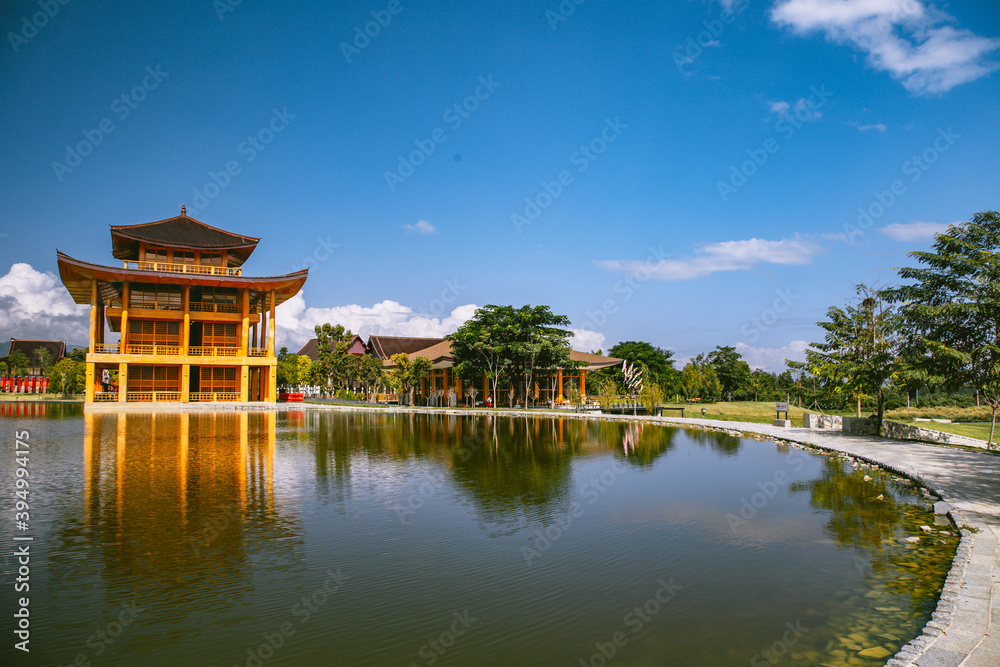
319, 537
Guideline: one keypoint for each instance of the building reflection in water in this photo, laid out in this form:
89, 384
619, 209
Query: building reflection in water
179, 508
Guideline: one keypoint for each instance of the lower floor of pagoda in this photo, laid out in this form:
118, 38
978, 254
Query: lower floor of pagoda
184, 383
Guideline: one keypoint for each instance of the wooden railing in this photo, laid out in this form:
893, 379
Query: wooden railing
200, 307
214, 351
200, 269
175, 350
104, 396
155, 348
152, 396
213, 397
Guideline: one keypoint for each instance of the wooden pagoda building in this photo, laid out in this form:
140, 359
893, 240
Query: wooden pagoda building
192, 327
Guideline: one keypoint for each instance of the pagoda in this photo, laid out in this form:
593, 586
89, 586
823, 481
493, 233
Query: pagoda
191, 326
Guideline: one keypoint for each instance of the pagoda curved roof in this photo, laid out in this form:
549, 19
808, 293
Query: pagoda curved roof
181, 231
77, 275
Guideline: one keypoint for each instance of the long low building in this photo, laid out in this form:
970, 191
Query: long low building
548, 386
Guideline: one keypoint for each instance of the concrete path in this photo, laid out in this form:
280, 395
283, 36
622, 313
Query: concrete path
965, 630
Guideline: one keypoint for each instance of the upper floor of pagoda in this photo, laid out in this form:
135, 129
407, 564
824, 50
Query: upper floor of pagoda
181, 245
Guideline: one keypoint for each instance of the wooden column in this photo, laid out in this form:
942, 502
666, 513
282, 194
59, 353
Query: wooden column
244, 383
583, 384
185, 383
186, 330
559, 385
93, 318
245, 322
89, 397
272, 375
270, 325
122, 382
122, 349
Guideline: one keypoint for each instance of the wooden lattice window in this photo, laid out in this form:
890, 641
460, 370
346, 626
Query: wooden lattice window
158, 297
149, 332
217, 379
220, 334
153, 378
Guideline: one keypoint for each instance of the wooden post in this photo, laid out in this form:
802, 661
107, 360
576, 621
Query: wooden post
185, 383
122, 345
559, 382
89, 397
245, 322
244, 383
270, 325
122, 382
186, 330
583, 384
93, 318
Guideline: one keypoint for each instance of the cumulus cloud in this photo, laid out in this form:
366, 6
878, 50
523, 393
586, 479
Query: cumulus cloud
723, 256
295, 322
422, 227
903, 37
585, 340
913, 231
772, 359
36, 306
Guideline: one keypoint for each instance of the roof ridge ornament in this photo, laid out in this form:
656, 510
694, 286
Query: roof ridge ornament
183, 209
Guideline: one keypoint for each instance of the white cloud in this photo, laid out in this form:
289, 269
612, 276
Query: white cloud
772, 359
903, 37
422, 227
913, 231
295, 322
723, 256
35, 305
877, 126
586, 341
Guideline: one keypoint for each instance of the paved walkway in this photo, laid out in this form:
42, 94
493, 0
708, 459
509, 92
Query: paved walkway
965, 630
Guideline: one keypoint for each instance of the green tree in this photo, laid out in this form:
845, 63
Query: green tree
334, 366
503, 340
733, 372
651, 396
43, 358
287, 368
303, 369
65, 375
18, 362
370, 372
858, 355
409, 372
657, 361
699, 380
952, 309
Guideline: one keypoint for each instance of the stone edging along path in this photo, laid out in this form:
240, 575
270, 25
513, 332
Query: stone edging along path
965, 629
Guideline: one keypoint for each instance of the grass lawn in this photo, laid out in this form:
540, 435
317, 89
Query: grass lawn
761, 412
979, 431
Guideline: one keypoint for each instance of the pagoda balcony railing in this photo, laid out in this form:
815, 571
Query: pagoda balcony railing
198, 269
173, 350
152, 396
202, 351
212, 397
105, 396
210, 307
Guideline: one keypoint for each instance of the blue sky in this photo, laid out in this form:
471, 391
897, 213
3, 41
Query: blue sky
691, 174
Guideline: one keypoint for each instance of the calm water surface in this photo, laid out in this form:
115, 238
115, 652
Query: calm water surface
322, 538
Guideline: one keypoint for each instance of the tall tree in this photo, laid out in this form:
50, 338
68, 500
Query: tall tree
733, 372
952, 308
657, 362
43, 358
409, 372
333, 367
18, 362
503, 340
859, 353
699, 380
